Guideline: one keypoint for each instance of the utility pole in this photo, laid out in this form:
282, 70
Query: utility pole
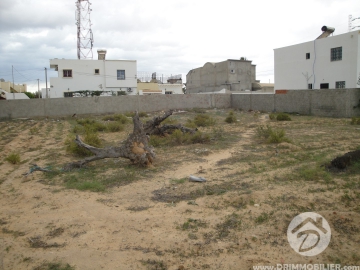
12, 72
38, 88
47, 96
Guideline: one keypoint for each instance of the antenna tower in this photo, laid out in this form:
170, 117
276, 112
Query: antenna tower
85, 38
350, 24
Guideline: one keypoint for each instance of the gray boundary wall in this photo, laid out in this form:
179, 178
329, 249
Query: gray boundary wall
324, 102
103, 105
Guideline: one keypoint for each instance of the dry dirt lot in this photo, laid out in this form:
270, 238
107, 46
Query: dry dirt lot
115, 215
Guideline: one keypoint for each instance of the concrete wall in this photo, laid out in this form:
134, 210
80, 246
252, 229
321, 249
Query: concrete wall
103, 105
324, 102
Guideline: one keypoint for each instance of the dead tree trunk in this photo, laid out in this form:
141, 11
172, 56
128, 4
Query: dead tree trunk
136, 147
154, 127
344, 161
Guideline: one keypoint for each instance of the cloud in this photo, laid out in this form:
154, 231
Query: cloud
167, 37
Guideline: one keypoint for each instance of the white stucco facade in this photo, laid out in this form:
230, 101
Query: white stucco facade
110, 76
313, 64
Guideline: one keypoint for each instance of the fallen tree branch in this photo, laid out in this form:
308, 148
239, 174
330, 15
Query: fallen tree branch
35, 168
136, 147
342, 162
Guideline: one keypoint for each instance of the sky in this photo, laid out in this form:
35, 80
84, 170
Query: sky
163, 36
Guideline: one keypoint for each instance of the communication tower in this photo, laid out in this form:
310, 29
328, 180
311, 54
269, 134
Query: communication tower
85, 38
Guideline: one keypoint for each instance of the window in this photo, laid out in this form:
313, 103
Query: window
168, 92
340, 84
97, 71
336, 54
310, 86
121, 74
67, 73
324, 86
308, 55
68, 94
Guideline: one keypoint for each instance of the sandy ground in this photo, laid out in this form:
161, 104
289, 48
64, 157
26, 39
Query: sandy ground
135, 226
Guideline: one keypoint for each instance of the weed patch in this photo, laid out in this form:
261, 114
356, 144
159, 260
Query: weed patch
201, 120
13, 158
91, 138
231, 118
271, 135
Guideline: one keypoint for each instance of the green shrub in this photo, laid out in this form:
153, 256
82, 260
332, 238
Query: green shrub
132, 114
199, 137
202, 120
272, 116
156, 141
117, 117
198, 110
283, 117
34, 130
90, 138
271, 135
13, 158
114, 127
277, 136
231, 118
179, 138
355, 121
85, 121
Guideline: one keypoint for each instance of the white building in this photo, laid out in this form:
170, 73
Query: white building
111, 77
326, 62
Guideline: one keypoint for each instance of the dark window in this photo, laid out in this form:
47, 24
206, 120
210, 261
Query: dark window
310, 86
121, 74
68, 94
308, 55
336, 54
168, 92
67, 73
97, 71
324, 86
340, 84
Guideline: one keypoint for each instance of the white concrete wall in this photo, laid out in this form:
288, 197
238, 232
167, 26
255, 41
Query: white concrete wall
174, 88
84, 77
292, 68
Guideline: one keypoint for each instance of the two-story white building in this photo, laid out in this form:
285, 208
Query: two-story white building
111, 77
326, 62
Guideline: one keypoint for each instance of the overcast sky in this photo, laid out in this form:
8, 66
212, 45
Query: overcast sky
167, 37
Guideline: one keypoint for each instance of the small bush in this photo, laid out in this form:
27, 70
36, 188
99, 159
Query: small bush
85, 121
200, 137
271, 135
114, 127
90, 138
13, 158
218, 133
283, 117
202, 120
231, 118
117, 117
179, 138
132, 114
272, 116
355, 121
34, 130
277, 136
